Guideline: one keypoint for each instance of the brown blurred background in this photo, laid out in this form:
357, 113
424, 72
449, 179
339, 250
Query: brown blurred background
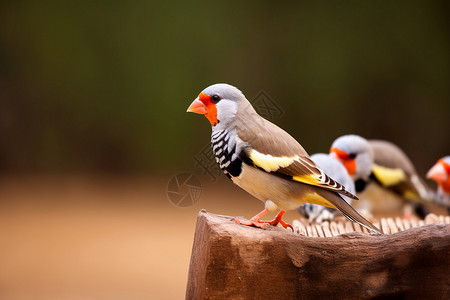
93, 126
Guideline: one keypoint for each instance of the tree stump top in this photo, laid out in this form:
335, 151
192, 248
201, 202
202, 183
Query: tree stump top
231, 261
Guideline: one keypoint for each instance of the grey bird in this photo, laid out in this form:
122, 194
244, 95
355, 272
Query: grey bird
265, 160
382, 162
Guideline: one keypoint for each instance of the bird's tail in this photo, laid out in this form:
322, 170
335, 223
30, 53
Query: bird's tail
350, 213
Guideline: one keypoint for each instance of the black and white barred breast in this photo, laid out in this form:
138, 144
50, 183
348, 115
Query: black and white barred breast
223, 144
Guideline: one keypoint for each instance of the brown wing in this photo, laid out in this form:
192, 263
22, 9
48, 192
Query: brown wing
390, 160
272, 149
267, 137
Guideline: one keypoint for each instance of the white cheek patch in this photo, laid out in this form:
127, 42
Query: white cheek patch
226, 110
364, 165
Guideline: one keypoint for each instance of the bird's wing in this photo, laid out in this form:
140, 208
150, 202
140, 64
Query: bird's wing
297, 168
275, 151
388, 176
411, 187
389, 155
393, 169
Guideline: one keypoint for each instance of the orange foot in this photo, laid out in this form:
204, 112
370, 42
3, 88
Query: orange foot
251, 222
255, 221
407, 216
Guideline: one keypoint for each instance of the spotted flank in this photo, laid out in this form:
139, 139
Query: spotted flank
224, 149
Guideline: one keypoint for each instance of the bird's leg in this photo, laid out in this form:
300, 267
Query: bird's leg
278, 219
407, 212
254, 221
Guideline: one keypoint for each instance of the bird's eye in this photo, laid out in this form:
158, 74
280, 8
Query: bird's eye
215, 99
352, 155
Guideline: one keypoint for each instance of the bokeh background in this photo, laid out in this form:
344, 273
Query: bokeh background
93, 122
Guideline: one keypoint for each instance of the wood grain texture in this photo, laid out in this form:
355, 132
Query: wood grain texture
231, 261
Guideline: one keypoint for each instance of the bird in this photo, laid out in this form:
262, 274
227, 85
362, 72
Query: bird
356, 155
337, 171
440, 173
382, 162
265, 160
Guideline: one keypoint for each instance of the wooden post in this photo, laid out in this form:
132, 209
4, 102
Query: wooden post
231, 261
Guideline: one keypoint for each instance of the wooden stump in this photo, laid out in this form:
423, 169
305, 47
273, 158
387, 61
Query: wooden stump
231, 261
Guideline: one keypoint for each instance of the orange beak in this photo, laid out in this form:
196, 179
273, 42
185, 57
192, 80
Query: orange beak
203, 105
437, 173
197, 107
342, 156
440, 173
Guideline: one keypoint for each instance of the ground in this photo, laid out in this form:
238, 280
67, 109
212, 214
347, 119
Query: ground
74, 237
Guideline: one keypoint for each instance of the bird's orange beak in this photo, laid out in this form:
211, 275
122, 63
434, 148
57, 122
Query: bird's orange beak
203, 105
197, 107
342, 156
438, 172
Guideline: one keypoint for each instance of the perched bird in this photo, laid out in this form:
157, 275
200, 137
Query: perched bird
382, 162
440, 173
355, 154
265, 160
337, 171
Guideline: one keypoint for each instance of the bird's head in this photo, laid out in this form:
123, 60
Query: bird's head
440, 173
218, 102
355, 154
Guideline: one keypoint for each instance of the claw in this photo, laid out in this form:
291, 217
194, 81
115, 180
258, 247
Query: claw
251, 222
263, 224
286, 225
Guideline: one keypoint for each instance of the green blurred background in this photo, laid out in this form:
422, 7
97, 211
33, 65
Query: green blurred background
91, 86
93, 122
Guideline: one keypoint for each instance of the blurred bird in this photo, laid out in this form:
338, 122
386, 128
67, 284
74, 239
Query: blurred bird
265, 160
337, 171
440, 173
384, 163
355, 154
